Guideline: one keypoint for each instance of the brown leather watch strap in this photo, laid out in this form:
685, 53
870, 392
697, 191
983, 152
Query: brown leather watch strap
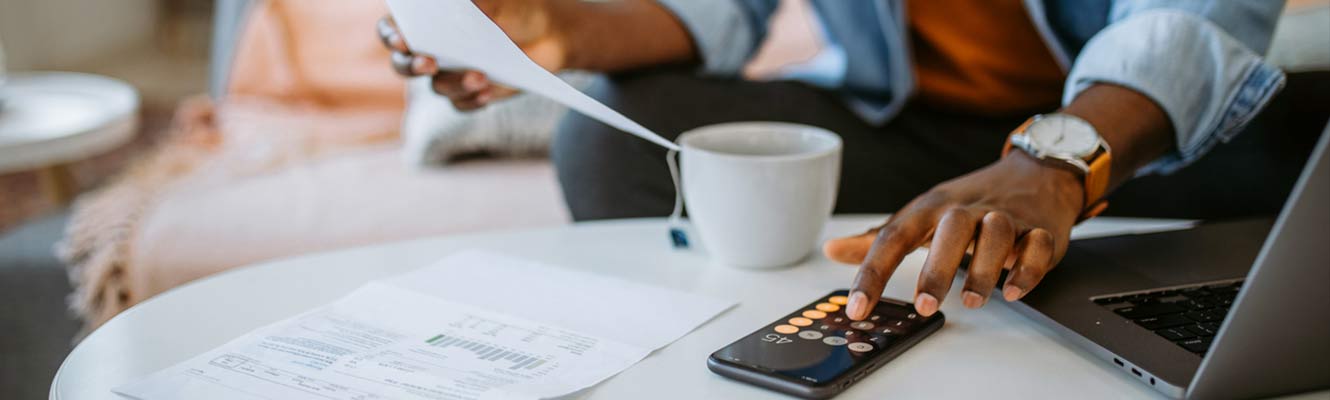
1096, 185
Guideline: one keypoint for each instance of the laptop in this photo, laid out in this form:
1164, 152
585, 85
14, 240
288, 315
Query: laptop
1236, 309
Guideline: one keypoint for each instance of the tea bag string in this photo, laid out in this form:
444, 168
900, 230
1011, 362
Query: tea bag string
678, 237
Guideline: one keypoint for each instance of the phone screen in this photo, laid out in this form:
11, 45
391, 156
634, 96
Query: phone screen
818, 344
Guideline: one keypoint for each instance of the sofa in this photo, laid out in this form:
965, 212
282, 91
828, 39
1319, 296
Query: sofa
284, 157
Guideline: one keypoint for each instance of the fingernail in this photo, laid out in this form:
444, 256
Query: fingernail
926, 304
474, 82
470, 82
857, 309
1011, 293
972, 299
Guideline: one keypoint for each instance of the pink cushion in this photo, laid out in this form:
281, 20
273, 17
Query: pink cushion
357, 198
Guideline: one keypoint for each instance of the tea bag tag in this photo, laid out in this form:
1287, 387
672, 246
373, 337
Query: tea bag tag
678, 236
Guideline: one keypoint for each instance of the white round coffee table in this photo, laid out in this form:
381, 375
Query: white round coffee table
989, 353
50, 119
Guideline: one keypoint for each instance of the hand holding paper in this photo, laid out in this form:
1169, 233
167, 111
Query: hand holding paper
460, 36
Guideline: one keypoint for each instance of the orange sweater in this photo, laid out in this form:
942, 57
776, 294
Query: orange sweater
982, 57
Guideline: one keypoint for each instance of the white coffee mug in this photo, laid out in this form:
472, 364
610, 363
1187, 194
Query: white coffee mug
759, 193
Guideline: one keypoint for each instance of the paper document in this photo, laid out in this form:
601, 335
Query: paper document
459, 36
493, 327
1117, 226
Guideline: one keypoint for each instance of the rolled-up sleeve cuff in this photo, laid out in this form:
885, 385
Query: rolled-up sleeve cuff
1208, 83
723, 34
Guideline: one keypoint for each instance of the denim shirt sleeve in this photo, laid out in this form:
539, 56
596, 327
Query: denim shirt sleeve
725, 32
1199, 60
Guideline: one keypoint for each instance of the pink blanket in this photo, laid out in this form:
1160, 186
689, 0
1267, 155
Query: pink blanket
304, 85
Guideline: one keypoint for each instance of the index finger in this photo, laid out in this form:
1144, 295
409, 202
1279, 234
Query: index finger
894, 241
390, 35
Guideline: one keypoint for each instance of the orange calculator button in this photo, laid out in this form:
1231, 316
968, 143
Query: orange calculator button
827, 307
800, 321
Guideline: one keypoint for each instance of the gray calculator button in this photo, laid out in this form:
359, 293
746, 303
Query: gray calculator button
860, 347
834, 340
810, 335
862, 325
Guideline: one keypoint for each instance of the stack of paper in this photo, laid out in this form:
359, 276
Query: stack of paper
473, 326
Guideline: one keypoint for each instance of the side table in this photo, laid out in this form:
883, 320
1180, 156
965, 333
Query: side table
51, 119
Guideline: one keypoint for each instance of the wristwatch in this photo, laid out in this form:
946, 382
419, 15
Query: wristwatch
1069, 140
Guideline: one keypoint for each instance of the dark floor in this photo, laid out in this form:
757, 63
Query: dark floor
36, 331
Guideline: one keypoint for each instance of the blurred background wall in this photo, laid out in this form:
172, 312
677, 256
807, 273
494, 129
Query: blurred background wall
55, 34
135, 40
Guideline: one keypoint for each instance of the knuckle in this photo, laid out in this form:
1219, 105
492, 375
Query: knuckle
1041, 237
887, 232
440, 89
936, 274
1030, 272
997, 219
1030, 277
891, 240
897, 247
954, 212
868, 278
401, 63
956, 215
449, 89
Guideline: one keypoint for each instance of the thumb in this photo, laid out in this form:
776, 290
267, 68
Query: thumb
850, 249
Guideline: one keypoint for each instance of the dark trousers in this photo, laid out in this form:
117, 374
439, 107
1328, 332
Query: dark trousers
609, 174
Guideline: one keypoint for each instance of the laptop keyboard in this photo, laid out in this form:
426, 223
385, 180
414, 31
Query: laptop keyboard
1188, 316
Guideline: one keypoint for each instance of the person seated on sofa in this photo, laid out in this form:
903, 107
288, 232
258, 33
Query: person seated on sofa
924, 94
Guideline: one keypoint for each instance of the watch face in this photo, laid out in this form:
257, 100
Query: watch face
1064, 135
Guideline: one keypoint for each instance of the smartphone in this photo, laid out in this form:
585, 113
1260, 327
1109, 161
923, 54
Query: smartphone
816, 352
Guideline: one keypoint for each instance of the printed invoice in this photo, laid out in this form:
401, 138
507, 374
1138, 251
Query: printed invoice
453, 330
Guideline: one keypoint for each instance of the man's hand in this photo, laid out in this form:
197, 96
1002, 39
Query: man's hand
529, 23
608, 36
1016, 213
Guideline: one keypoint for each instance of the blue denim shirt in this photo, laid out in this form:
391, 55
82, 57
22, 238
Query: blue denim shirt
1200, 60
